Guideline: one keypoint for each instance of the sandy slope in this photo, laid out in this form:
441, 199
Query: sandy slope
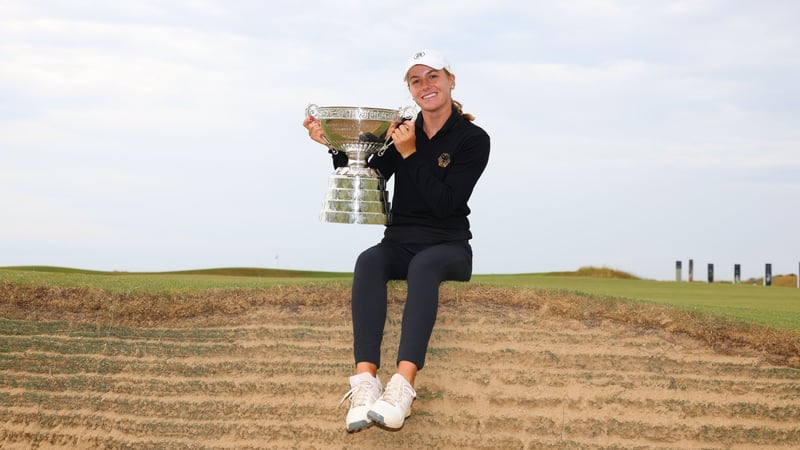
496, 377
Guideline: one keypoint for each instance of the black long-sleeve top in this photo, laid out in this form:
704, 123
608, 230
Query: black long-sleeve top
433, 185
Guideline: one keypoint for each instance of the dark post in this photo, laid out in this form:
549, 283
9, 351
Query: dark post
768, 275
710, 273
691, 270
677, 271
737, 273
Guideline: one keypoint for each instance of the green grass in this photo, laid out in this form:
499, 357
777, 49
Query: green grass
202, 279
772, 306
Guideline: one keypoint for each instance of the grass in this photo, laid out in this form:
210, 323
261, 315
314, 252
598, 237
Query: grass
722, 315
771, 306
202, 279
113, 299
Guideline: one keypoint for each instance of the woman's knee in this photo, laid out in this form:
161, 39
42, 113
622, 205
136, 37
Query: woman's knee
374, 261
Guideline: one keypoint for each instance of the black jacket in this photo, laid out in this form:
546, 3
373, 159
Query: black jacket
433, 185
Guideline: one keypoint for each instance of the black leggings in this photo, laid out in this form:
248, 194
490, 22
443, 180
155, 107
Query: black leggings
424, 267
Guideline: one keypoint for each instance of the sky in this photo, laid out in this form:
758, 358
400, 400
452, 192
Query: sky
167, 135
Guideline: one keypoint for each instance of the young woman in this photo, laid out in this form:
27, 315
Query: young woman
436, 162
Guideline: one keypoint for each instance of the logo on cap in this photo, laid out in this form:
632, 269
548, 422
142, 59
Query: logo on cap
419, 55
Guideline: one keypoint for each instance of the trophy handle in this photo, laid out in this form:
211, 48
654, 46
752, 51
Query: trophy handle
312, 110
406, 113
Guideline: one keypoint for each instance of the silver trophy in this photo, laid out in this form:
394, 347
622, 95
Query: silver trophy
357, 193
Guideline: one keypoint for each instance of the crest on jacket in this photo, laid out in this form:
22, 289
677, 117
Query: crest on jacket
444, 160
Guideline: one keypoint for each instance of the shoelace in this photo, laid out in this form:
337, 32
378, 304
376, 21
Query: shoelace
360, 394
393, 394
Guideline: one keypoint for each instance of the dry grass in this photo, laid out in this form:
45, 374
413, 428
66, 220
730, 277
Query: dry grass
778, 280
598, 272
88, 305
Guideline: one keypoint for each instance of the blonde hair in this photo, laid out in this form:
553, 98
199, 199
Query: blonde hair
467, 116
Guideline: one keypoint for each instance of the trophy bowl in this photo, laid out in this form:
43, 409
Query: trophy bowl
357, 193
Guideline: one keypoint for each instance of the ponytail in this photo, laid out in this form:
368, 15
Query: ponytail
467, 116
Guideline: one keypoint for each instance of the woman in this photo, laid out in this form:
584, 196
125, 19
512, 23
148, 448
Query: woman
436, 162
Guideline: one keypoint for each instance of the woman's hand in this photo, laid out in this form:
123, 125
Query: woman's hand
315, 131
404, 136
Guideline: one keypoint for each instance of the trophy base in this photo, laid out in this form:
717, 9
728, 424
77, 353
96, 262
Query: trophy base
356, 199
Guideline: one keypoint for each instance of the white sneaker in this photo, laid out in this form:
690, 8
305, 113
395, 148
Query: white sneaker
394, 406
364, 391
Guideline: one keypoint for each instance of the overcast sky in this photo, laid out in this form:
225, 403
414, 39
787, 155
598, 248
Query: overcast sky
167, 135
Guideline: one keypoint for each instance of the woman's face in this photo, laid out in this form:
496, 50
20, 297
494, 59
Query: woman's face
430, 88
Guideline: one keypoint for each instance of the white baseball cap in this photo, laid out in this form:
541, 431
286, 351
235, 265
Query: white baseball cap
431, 58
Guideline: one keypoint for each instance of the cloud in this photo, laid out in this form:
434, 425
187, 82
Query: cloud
172, 128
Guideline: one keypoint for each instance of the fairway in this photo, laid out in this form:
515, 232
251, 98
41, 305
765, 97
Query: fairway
772, 306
